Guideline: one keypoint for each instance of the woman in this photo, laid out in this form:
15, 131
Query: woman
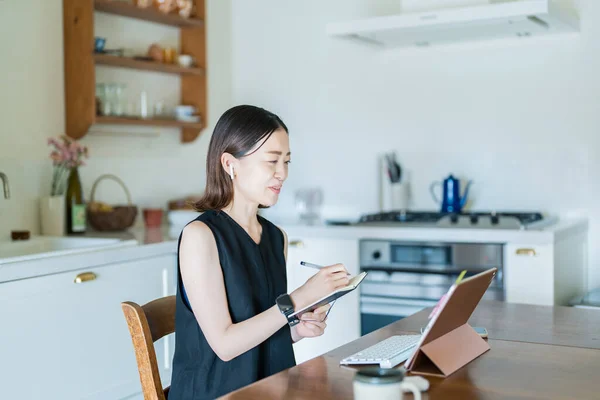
230, 328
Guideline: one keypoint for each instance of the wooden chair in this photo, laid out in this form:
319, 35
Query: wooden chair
147, 324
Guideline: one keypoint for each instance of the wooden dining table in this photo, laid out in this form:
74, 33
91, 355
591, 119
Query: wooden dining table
537, 352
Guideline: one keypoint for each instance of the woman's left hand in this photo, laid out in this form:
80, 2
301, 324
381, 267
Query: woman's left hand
311, 324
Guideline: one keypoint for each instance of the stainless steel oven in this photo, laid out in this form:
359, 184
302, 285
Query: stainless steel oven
405, 277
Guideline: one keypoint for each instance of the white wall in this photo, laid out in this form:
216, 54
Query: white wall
519, 117
153, 163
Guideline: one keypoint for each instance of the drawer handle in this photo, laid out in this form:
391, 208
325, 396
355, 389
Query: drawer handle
526, 252
296, 243
84, 277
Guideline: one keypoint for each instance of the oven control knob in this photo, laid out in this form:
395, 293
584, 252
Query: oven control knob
494, 219
376, 254
474, 219
454, 218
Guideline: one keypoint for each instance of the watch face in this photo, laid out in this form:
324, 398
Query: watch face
285, 302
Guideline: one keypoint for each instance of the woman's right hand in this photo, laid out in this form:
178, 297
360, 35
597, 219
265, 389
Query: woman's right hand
320, 285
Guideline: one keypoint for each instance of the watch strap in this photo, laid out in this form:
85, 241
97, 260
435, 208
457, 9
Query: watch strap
292, 320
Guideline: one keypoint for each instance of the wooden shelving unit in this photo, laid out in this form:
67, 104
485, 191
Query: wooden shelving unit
80, 62
125, 62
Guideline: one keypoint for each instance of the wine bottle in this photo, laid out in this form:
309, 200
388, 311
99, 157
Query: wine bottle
75, 206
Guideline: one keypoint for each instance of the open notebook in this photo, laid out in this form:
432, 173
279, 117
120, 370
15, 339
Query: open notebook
354, 282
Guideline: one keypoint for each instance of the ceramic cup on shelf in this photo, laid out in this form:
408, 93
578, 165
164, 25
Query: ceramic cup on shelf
52, 215
153, 217
99, 43
185, 8
185, 60
169, 55
382, 384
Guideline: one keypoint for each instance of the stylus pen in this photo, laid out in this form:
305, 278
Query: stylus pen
311, 265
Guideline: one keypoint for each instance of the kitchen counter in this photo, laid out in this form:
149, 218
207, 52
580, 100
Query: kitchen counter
388, 231
546, 235
144, 236
150, 243
163, 240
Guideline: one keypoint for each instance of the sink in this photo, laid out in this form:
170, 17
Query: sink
50, 246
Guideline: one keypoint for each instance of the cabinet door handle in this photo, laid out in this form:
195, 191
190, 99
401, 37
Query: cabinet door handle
526, 252
84, 277
296, 243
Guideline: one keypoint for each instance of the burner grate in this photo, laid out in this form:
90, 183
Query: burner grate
492, 218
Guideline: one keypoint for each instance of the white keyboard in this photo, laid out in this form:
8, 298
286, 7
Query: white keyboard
388, 353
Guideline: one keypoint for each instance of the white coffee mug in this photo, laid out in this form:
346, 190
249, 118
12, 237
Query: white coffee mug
382, 384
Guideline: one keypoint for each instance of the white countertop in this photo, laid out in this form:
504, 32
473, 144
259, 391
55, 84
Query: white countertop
150, 243
547, 235
153, 242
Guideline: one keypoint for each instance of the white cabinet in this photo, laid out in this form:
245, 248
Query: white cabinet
547, 274
529, 273
65, 340
343, 322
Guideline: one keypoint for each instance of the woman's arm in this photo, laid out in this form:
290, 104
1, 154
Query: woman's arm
203, 279
295, 337
315, 327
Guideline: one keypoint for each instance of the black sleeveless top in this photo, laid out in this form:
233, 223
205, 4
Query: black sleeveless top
254, 275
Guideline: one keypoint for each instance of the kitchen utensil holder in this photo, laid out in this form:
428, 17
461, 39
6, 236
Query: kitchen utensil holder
400, 195
119, 218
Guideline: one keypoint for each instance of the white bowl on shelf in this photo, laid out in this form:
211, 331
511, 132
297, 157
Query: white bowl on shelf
184, 110
185, 60
179, 218
188, 118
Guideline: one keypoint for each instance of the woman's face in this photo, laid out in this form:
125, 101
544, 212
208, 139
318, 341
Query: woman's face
260, 175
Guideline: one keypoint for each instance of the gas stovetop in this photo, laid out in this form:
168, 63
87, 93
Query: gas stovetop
469, 220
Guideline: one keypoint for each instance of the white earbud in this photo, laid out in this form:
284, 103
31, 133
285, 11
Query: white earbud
231, 171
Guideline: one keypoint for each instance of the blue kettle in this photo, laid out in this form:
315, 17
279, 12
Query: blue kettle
451, 202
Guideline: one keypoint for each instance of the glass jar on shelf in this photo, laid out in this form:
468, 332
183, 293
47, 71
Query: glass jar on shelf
110, 99
102, 100
118, 100
109, 95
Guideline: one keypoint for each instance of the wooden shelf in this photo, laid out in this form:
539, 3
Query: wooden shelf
147, 14
126, 62
80, 63
148, 122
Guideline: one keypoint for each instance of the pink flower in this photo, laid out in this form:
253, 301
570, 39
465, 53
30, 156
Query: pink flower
67, 151
56, 157
66, 155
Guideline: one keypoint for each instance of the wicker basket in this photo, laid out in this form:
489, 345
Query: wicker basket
119, 218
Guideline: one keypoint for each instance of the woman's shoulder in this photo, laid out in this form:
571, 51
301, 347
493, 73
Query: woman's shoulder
208, 225
197, 230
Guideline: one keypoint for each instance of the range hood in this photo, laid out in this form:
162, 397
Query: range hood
451, 25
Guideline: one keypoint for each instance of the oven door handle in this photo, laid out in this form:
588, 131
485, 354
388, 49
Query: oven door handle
392, 306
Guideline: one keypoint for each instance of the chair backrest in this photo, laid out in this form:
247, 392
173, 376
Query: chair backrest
147, 324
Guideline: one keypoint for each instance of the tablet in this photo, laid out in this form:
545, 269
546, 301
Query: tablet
460, 302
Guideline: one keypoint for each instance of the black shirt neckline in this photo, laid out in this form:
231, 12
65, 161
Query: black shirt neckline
262, 227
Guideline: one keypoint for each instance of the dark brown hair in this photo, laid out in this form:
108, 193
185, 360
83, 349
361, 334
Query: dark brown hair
238, 130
